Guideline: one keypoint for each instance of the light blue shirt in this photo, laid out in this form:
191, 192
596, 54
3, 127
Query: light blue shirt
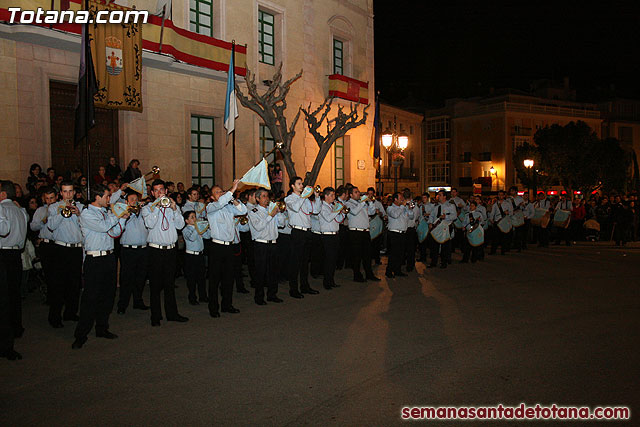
398, 217
65, 230
13, 224
495, 215
163, 224
263, 226
117, 196
192, 239
329, 220
220, 215
359, 213
194, 206
300, 209
39, 223
135, 233
99, 228
447, 209
529, 210
283, 223
240, 229
477, 216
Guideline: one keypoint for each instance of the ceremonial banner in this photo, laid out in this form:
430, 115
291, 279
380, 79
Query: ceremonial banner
258, 176
117, 55
347, 88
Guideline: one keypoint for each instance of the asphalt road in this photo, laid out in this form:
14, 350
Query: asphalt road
546, 326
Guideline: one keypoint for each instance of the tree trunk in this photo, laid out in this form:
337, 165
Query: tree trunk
312, 176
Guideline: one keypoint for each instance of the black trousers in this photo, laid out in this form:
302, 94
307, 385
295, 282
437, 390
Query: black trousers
12, 263
265, 255
457, 240
542, 236
283, 248
194, 272
6, 327
396, 248
442, 250
376, 245
133, 273
526, 232
330, 243
344, 252
498, 238
247, 254
411, 238
317, 255
64, 289
220, 277
474, 252
44, 252
360, 252
519, 237
299, 260
162, 278
424, 246
563, 234
98, 294
237, 266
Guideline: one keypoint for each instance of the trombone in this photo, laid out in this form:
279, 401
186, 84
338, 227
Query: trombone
154, 171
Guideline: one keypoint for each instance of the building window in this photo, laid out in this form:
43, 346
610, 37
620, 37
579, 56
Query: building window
438, 173
267, 143
438, 128
202, 171
200, 17
338, 56
437, 152
485, 156
625, 135
466, 157
266, 37
339, 162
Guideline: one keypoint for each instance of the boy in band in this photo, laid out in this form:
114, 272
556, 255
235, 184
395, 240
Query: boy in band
500, 209
163, 223
99, 228
194, 267
443, 212
264, 232
472, 220
329, 219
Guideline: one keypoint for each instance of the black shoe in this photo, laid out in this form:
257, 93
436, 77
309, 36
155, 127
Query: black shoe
310, 291
231, 310
106, 334
242, 291
335, 285
401, 274
121, 310
71, 317
214, 314
194, 302
141, 306
274, 299
11, 355
78, 343
155, 323
295, 294
260, 302
204, 299
178, 318
359, 279
373, 278
390, 275
56, 325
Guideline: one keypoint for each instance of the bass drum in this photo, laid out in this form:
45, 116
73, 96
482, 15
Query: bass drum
441, 233
517, 219
561, 218
375, 227
505, 224
422, 230
476, 237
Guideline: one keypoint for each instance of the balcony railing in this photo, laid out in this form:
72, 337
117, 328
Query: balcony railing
530, 108
520, 131
406, 174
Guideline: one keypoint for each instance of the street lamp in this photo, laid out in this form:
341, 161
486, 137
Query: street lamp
528, 163
395, 142
493, 171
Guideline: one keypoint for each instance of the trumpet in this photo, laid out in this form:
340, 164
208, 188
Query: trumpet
163, 201
372, 198
243, 219
282, 206
411, 204
345, 209
317, 188
66, 210
135, 209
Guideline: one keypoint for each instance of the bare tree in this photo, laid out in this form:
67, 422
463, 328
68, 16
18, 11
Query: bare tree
336, 129
271, 105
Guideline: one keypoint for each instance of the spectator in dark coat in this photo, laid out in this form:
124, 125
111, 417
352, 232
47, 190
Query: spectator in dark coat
113, 170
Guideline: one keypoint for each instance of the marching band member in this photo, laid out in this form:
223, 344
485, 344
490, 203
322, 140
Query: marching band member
299, 209
501, 209
399, 216
64, 289
376, 244
220, 213
472, 220
46, 246
194, 267
344, 251
517, 204
12, 242
264, 232
283, 246
193, 204
456, 200
329, 221
99, 228
245, 237
316, 249
240, 228
459, 203
134, 257
562, 233
358, 216
529, 210
163, 224
542, 233
425, 210
411, 236
443, 212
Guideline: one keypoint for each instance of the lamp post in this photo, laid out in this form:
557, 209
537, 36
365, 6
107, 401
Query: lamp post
493, 171
395, 142
528, 163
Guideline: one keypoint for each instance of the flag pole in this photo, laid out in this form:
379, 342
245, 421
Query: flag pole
233, 142
89, 99
164, 15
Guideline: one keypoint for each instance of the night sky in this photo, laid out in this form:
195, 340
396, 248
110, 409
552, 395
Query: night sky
429, 50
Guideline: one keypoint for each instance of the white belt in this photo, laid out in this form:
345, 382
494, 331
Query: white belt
10, 248
329, 233
193, 252
163, 247
300, 228
358, 229
397, 231
134, 246
47, 240
98, 253
316, 232
68, 245
264, 241
221, 242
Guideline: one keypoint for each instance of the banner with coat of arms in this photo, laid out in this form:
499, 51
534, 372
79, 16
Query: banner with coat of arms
117, 56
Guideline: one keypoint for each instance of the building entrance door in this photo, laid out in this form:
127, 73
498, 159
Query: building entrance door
103, 137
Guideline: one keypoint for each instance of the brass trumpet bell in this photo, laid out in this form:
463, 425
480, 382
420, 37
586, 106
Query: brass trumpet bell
282, 206
154, 171
317, 188
243, 220
165, 202
135, 209
66, 210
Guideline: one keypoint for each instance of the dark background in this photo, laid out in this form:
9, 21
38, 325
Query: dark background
430, 50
